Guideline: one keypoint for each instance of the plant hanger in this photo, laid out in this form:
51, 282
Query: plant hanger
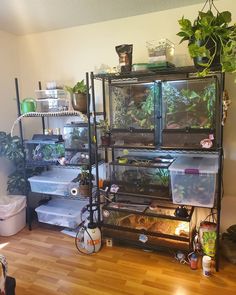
211, 4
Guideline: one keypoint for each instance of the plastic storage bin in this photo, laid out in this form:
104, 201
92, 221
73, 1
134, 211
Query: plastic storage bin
54, 182
50, 93
61, 212
160, 51
52, 105
193, 181
12, 214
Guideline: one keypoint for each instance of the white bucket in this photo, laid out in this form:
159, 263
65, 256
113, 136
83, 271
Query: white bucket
12, 214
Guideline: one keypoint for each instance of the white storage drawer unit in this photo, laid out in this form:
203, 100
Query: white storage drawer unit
193, 180
61, 212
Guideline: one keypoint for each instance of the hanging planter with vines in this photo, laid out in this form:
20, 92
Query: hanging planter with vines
212, 40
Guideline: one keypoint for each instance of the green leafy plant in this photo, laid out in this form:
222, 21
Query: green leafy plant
133, 106
105, 127
188, 107
162, 177
79, 87
12, 149
143, 113
84, 177
210, 36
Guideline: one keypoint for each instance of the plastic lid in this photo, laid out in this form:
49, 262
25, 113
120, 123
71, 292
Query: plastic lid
194, 165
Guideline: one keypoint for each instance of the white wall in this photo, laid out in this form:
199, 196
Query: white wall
65, 56
8, 110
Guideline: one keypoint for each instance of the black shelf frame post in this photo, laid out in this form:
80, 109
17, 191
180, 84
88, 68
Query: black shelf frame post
97, 192
26, 193
220, 174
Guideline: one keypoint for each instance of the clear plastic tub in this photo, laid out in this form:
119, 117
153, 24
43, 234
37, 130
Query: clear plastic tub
160, 51
52, 105
54, 182
50, 93
61, 212
193, 181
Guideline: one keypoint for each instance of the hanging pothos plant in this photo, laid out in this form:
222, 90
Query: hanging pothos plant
211, 40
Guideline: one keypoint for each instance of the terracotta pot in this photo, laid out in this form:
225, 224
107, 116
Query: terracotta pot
84, 190
79, 102
106, 140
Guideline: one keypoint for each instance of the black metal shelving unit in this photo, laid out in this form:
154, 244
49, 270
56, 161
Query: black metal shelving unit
164, 74
56, 114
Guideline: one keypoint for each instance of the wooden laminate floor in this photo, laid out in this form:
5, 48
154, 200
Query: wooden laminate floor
44, 261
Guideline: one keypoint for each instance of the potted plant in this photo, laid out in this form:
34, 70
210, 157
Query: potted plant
11, 149
106, 132
78, 95
212, 40
84, 179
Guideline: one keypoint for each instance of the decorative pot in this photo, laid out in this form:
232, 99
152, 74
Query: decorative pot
79, 102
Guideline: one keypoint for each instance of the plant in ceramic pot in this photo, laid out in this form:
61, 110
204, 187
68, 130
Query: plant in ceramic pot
106, 132
78, 95
212, 40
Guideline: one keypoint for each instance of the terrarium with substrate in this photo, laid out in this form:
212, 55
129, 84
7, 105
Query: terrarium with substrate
189, 112
44, 149
141, 176
154, 220
133, 107
76, 136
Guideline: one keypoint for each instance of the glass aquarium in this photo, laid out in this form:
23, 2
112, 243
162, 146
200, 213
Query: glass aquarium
188, 113
141, 176
44, 149
133, 108
76, 136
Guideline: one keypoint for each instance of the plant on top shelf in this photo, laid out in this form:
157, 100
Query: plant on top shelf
212, 40
78, 95
106, 132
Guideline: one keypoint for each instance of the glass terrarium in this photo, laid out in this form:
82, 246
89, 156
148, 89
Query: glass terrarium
141, 176
189, 111
76, 136
160, 51
133, 109
156, 220
44, 149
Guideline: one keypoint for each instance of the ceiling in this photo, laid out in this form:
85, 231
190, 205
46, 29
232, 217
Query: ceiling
22, 17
